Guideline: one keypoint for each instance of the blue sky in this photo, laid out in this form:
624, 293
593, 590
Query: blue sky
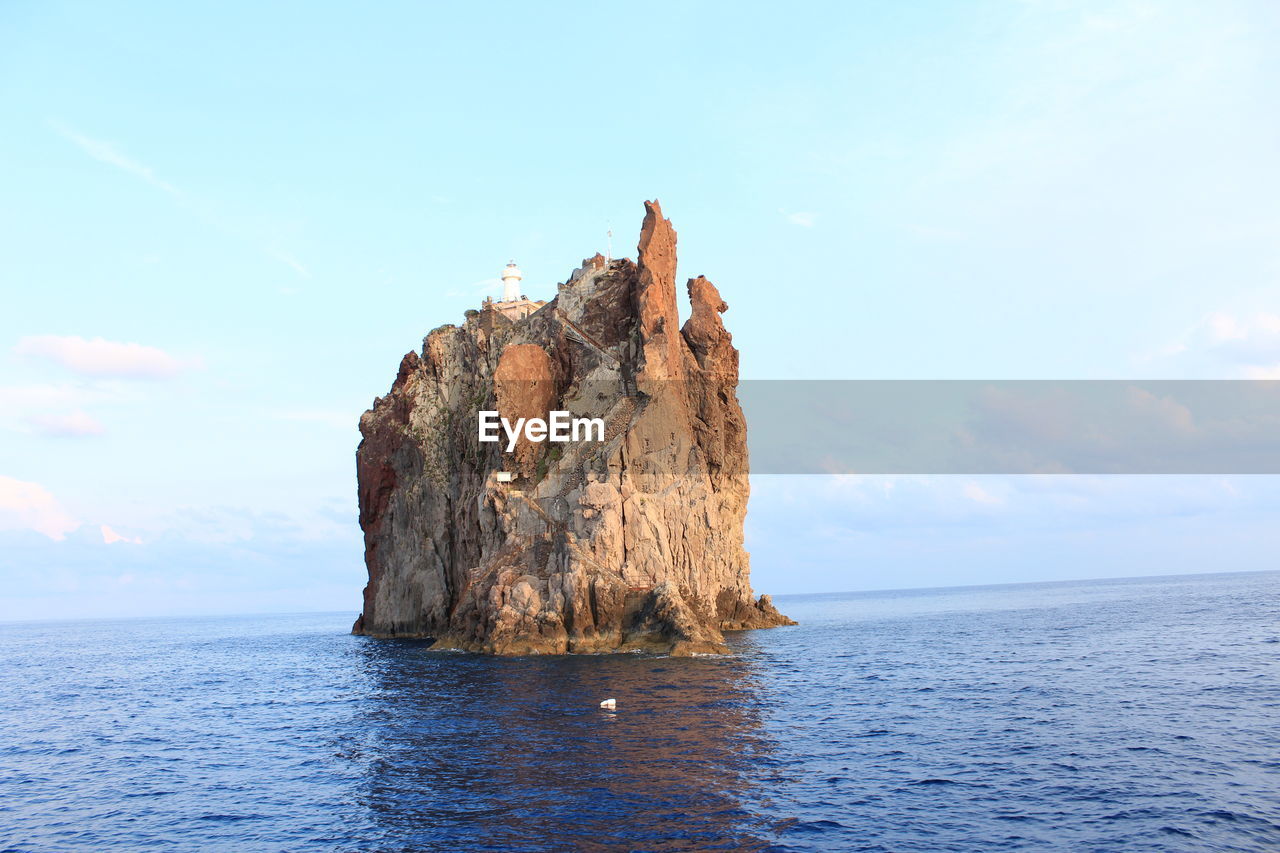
273, 202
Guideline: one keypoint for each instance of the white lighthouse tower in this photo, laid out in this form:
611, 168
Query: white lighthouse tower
513, 305
511, 277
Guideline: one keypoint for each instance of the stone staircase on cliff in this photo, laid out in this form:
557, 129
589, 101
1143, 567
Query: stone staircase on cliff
576, 333
570, 464
617, 421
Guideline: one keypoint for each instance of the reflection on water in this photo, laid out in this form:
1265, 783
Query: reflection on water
515, 754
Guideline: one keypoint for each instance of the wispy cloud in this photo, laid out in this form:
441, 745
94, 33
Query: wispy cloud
26, 397
339, 419
491, 286
980, 495
802, 218
110, 154
60, 409
105, 152
933, 232
101, 358
291, 262
69, 425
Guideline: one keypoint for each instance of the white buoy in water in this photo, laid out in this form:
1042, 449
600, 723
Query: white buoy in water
609, 703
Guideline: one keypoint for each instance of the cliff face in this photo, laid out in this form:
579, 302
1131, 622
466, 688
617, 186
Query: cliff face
633, 542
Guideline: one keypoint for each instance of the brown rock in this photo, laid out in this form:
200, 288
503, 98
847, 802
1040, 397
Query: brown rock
656, 297
634, 542
525, 389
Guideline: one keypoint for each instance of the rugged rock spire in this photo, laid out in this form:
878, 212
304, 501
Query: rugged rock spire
633, 542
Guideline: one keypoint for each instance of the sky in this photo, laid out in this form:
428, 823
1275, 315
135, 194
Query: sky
222, 226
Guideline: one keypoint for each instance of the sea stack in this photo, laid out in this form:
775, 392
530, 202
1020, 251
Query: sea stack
628, 539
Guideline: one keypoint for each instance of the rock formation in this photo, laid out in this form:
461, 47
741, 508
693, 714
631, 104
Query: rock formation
633, 542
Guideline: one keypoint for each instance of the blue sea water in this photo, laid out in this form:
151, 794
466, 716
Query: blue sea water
1107, 716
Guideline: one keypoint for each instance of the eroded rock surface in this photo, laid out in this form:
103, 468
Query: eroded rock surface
635, 542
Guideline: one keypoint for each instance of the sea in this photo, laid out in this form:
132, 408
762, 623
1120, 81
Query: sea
1116, 715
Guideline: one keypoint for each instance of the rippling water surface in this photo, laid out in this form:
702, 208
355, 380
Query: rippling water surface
1115, 715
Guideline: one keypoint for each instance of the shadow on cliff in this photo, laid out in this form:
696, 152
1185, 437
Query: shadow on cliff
471, 751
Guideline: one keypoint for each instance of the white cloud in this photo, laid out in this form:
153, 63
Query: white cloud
29, 506
978, 494
110, 537
1258, 332
1245, 344
1224, 327
802, 218
70, 425
101, 358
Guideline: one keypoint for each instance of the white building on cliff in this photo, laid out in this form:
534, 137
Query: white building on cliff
513, 305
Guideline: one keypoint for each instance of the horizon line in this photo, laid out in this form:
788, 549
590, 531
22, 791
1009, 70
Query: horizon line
776, 596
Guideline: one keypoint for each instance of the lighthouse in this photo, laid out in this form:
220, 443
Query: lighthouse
513, 305
511, 277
